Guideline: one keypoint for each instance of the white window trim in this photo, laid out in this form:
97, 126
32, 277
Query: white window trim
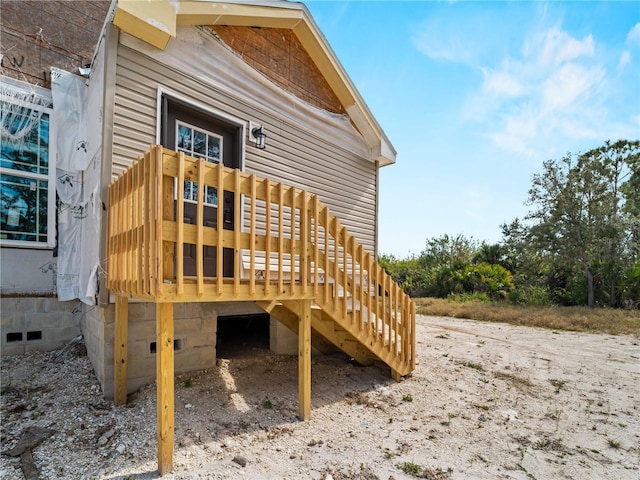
50, 177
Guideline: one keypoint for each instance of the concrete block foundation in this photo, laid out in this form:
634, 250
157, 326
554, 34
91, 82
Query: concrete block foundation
195, 338
37, 323
43, 323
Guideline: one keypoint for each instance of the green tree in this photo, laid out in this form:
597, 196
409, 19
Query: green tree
582, 217
493, 254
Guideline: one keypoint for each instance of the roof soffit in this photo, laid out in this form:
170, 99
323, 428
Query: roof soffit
155, 22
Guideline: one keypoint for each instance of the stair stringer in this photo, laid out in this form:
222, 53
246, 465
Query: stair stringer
361, 345
322, 333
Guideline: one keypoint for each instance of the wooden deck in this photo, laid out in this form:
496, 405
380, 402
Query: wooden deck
290, 256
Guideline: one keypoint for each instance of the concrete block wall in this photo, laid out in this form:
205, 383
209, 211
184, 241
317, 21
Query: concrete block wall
37, 323
194, 331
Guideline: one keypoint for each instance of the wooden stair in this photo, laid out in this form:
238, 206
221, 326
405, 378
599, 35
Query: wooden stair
324, 330
291, 256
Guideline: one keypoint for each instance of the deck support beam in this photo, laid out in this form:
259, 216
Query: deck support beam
304, 359
120, 350
165, 386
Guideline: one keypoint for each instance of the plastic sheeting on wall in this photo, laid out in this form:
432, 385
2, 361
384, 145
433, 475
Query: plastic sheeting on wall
77, 186
92, 224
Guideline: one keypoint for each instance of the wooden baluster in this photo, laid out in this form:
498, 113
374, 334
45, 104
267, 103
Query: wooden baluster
138, 225
200, 227
381, 318
326, 256
316, 247
126, 232
336, 265
354, 284
345, 272
280, 240
132, 229
220, 229
146, 193
180, 225
405, 329
236, 233
267, 253
413, 335
365, 313
168, 246
304, 242
292, 249
109, 262
252, 237
392, 315
116, 260
153, 218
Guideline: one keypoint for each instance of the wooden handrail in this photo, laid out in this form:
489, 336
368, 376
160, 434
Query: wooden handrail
316, 257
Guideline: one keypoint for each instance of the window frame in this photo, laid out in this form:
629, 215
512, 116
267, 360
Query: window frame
49, 177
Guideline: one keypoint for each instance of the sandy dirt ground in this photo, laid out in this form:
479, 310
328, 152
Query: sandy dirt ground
486, 401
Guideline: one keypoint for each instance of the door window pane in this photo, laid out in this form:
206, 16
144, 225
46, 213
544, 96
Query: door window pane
198, 143
184, 138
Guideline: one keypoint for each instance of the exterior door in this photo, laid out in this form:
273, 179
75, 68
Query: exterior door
201, 135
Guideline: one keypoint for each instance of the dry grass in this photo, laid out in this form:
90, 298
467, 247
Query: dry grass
579, 319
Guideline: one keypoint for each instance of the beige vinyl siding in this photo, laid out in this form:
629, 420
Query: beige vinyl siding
296, 154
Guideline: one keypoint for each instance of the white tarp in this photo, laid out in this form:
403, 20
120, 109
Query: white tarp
77, 186
91, 225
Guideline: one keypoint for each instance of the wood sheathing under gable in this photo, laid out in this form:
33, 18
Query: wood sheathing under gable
280, 56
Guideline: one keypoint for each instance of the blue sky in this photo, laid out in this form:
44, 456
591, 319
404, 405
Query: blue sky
475, 96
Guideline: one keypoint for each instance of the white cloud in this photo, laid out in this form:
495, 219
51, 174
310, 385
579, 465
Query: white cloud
451, 34
450, 48
501, 83
633, 37
559, 47
550, 96
567, 85
625, 59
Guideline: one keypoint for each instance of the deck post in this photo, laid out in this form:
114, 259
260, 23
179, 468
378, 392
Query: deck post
165, 387
304, 359
120, 350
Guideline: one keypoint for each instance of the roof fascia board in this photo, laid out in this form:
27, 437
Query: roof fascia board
193, 12
328, 64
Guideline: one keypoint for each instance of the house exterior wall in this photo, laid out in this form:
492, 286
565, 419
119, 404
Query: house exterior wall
36, 36
307, 147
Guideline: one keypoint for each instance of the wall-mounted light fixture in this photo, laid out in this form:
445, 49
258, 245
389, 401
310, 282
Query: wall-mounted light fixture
258, 135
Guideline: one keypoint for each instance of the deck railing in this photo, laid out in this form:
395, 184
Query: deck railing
285, 245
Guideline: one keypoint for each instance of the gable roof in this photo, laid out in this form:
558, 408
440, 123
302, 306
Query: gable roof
155, 22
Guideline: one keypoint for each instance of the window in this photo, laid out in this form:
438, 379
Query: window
27, 170
198, 143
